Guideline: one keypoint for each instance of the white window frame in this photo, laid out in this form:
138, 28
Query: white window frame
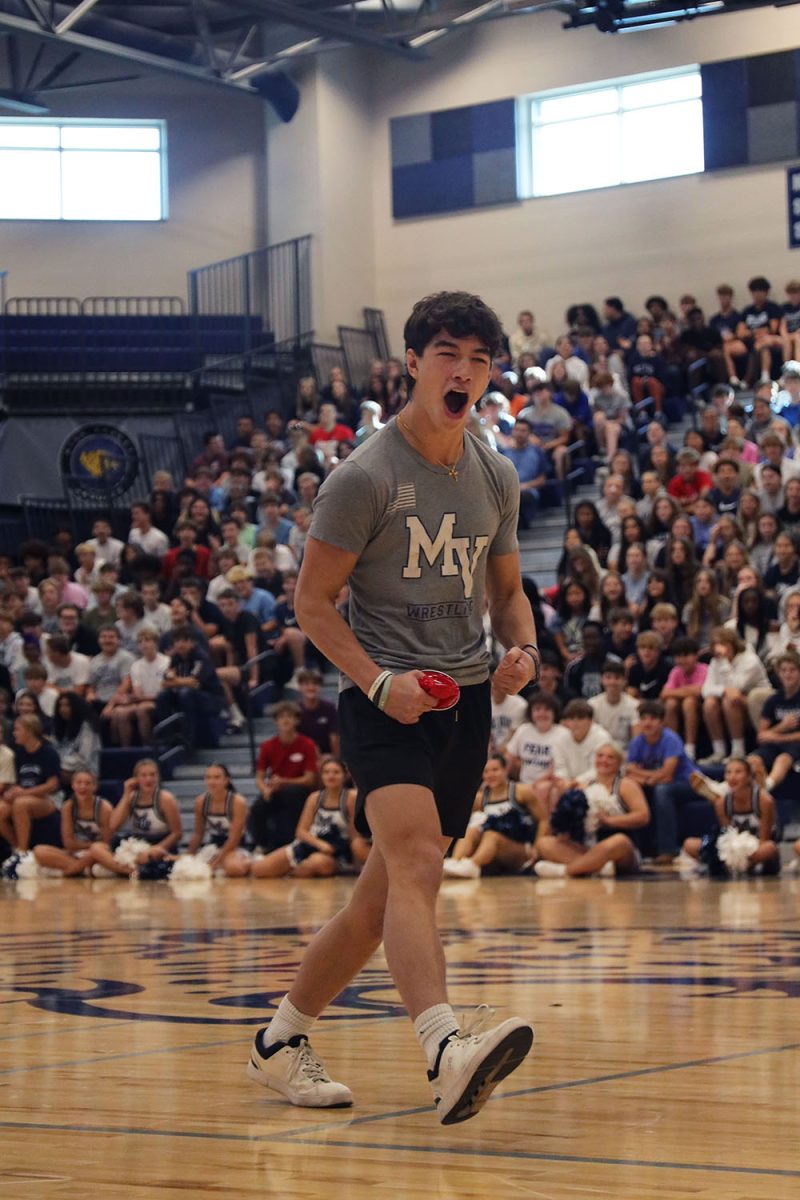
62, 124
529, 119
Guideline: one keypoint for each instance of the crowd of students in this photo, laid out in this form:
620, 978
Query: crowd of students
678, 587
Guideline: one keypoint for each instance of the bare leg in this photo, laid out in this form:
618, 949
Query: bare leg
612, 438
316, 866
672, 713
101, 854
735, 717
691, 719
144, 719
617, 849
557, 849
345, 943
465, 847
600, 431
236, 865
272, 866
712, 715
766, 852
6, 825
494, 847
59, 860
781, 768
26, 810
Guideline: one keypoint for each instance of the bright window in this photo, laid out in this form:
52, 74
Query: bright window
625, 131
82, 170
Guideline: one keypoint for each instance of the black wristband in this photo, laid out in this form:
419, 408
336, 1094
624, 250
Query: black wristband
535, 657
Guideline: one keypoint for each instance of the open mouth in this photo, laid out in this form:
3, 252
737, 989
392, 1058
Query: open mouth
456, 402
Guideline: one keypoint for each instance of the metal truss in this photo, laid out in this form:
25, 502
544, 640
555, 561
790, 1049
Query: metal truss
247, 45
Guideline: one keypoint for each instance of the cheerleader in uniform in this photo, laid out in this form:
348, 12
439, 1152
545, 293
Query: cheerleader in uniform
748, 808
326, 842
612, 806
220, 815
85, 822
506, 820
149, 813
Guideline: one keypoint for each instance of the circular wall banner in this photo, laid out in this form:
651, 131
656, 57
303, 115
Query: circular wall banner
99, 461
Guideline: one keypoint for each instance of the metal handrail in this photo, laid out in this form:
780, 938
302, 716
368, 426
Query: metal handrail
250, 694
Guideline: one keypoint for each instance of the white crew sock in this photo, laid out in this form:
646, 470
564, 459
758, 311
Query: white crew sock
432, 1026
769, 783
287, 1022
718, 748
691, 750
737, 747
236, 713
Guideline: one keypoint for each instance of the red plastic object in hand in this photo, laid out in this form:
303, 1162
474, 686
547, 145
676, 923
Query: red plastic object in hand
442, 687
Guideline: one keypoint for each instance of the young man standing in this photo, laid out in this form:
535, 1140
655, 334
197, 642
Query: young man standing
421, 521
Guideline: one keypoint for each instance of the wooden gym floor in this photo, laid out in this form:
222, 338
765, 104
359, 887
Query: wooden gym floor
666, 1063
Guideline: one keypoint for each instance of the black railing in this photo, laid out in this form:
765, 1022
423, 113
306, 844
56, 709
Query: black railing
271, 286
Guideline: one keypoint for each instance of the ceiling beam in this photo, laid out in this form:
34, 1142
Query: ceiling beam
80, 10
143, 58
316, 22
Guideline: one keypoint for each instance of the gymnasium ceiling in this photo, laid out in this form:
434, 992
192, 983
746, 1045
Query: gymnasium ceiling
49, 48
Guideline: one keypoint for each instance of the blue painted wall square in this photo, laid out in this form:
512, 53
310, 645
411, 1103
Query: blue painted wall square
424, 189
494, 126
451, 133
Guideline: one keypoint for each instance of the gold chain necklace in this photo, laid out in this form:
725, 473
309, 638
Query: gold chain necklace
449, 467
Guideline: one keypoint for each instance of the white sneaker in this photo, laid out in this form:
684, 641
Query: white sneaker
461, 868
709, 789
608, 870
100, 872
471, 1064
549, 870
293, 1069
712, 760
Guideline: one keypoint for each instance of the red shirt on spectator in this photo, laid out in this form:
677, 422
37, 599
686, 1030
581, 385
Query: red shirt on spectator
339, 433
289, 760
686, 490
201, 561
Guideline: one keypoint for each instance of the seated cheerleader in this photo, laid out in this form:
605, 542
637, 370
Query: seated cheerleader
220, 815
150, 813
748, 808
326, 842
506, 819
85, 822
594, 836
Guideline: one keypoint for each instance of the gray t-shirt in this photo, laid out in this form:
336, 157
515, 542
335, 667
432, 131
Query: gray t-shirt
106, 674
422, 540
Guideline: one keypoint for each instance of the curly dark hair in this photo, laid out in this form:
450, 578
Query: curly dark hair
460, 313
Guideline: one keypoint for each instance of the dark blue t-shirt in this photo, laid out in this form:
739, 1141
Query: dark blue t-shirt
34, 767
653, 756
759, 318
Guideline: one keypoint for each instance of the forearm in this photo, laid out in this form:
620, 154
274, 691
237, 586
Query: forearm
512, 621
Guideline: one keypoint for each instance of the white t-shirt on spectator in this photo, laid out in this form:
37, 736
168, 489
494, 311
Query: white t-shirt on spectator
153, 542
573, 758
147, 677
536, 751
507, 716
8, 773
108, 552
617, 719
74, 674
159, 619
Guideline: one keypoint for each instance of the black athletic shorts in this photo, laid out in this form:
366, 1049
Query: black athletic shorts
445, 752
